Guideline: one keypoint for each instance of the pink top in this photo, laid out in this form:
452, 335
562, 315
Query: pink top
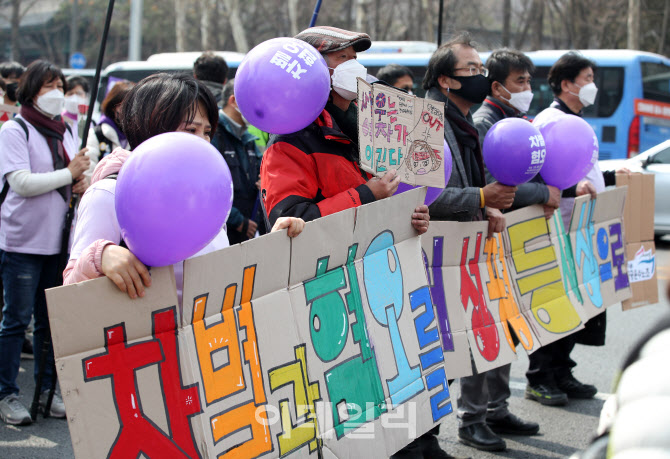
97, 226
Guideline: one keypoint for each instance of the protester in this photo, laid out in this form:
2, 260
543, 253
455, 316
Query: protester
457, 77
397, 76
77, 94
298, 183
239, 149
212, 70
39, 161
107, 135
484, 396
159, 103
315, 172
11, 73
550, 379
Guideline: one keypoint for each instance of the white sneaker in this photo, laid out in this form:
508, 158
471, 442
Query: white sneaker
57, 407
13, 412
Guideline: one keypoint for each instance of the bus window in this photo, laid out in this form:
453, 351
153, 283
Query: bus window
656, 81
609, 81
542, 94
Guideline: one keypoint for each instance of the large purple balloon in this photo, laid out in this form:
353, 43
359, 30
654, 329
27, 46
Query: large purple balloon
433, 192
282, 85
513, 151
547, 115
173, 196
572, 150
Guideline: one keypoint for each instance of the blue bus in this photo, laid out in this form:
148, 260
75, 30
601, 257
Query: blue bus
631, 112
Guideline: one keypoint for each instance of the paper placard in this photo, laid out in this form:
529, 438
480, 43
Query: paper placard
402, 132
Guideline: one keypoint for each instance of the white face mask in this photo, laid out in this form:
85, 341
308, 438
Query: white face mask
51, 102
344, 78
587, 94
72, 104
519, 100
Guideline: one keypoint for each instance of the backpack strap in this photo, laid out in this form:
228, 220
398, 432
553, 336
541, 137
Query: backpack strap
102, 140
23, 126
5, 188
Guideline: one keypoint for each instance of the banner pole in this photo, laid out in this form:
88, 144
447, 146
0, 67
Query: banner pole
317, 7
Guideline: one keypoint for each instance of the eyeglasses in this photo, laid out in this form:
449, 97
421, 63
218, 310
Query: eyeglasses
476, 70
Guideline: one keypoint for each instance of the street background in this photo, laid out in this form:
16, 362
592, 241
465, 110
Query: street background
563, 430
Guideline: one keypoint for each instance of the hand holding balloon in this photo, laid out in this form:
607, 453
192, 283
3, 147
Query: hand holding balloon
513, 151
499, 196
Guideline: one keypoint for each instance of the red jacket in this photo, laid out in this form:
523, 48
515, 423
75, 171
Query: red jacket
312, 173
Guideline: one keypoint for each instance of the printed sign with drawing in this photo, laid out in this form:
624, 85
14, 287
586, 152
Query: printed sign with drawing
402, 132
643, 266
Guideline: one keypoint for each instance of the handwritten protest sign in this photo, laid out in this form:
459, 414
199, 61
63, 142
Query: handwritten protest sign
402, 132
342, 356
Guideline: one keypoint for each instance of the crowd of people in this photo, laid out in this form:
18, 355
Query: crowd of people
280, 181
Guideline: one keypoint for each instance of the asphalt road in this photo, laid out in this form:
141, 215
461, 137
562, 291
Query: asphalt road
563, 430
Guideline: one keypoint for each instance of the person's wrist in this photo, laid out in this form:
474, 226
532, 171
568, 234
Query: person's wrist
482, 203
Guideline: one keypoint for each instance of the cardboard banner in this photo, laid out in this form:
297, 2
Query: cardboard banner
7, 112
535, 278
640, 245
402, 132
327, 342
340, 341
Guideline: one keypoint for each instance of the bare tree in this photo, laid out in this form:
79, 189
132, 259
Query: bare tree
537, 25
180, 24
207, 38
664, 27
507, 14
362, 14
634, 24
236, 25
18, 10
293, 16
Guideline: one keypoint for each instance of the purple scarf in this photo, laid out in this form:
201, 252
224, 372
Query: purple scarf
104, 119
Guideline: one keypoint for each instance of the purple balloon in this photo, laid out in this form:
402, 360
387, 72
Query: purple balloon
513, 151
572, 150
433, 192
173, 196
282, 85
547, 115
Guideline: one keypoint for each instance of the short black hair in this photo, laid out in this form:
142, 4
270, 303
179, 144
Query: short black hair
443, 61
228, 90
75, 80
11, 69
502, 61
161, 102
210, 67
393, 72
567, 67
37, 75
115, 97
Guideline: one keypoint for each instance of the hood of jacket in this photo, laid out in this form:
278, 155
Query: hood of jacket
110, 164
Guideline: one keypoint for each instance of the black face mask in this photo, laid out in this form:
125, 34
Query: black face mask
11, 91
473, 88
